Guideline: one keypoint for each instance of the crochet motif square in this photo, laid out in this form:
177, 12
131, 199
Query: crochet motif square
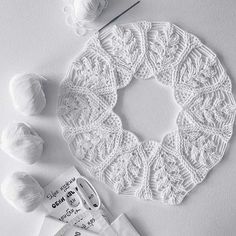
94, 133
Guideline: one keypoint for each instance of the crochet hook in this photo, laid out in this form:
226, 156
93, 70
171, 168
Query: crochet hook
115, 18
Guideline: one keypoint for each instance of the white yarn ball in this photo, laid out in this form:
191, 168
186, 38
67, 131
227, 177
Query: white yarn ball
21, 142
22, 191
27, 93
88, 10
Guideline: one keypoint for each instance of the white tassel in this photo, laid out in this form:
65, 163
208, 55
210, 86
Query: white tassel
27, 93
21, 142
22, 191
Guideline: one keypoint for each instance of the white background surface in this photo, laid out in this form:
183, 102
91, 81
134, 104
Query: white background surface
35, 38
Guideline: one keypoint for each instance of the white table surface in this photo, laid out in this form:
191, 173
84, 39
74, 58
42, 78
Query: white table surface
35, 38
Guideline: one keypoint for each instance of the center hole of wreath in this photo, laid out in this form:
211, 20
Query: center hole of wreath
148, 109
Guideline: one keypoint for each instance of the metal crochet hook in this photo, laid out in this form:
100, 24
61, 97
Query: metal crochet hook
115, 18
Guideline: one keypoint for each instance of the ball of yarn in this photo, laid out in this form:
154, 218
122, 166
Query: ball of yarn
27, 93
21, 142
22, 191
88, 10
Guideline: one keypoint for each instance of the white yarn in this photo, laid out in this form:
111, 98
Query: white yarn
21, 142
147, 169
27, 93
82, 13
87, 10
22, 191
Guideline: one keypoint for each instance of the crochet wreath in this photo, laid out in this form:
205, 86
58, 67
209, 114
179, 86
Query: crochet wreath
143, 50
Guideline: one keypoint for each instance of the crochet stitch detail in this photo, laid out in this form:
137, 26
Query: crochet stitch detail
148, 170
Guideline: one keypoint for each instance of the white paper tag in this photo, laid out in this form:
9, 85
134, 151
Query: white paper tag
54, 227
57, 206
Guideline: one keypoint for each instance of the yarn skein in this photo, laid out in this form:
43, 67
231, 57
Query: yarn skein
88, 10
22, 191
81, 14
27, 93
22, 142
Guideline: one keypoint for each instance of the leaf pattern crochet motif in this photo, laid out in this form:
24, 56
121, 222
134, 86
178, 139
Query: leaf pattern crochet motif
202, 150
163, 50
125, 47
93, 74
125, 170
168, 179
166, 170
212, 109
199, 73
76, 108
95, 145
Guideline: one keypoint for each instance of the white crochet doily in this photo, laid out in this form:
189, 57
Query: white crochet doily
143, 50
